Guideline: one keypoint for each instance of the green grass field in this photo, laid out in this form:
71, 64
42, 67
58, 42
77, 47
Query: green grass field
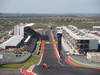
24, 65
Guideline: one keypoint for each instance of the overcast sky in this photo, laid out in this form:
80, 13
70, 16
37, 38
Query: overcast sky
50, 6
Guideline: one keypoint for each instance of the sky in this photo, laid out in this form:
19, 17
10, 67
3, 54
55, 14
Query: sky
50, 6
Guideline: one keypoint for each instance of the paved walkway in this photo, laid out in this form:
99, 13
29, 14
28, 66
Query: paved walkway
10, 72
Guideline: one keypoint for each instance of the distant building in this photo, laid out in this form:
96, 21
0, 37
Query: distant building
59, 30
79, 40
96, 28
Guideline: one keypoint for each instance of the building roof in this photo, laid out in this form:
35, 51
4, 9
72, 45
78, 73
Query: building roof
13, 41
77, 34
29, 24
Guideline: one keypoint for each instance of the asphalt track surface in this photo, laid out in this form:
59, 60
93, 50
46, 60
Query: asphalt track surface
56, 68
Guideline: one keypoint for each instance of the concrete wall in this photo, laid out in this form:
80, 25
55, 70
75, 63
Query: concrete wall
12, 58
93, 44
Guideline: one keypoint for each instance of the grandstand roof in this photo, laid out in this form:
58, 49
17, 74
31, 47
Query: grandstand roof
13, 41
